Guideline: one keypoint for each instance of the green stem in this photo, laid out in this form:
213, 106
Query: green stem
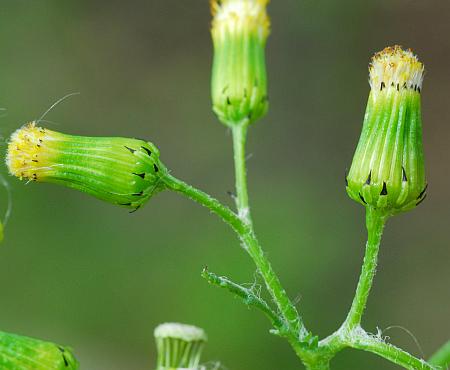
389, 352
375, 222
241, 224
358, 338
320, 365
290, 323
273, 284
225, 213
247, 295
251, 244
239, 139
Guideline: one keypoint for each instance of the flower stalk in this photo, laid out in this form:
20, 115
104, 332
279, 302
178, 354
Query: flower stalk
375, 221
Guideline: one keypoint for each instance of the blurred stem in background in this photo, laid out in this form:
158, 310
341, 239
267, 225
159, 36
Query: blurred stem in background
8, 207
442, 356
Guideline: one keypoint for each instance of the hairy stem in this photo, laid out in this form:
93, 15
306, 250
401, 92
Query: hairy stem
289, 323
241, 224
239, 139
375, 222
248, 296
225, 213
389, 352
249, 240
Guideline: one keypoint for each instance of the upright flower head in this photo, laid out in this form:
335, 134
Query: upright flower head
118, 170
179, 346
239, 82
387, 171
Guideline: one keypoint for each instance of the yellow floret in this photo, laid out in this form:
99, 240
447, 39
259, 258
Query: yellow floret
236, 16
24, 147
397, 68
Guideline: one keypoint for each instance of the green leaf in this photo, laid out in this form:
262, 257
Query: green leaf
442, 356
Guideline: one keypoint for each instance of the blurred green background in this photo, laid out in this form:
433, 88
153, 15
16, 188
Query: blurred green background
88, 274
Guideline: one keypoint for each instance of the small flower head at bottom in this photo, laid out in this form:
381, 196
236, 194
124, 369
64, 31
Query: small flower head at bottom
179, 346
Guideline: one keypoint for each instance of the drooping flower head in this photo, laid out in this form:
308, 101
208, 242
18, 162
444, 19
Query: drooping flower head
118, 170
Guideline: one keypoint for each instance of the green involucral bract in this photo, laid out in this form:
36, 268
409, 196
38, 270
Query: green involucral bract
179, 346
117, 170
23, 353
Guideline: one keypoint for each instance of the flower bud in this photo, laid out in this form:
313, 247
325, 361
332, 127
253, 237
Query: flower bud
18, 353
239, 82
118, 170
387, 171
179, 346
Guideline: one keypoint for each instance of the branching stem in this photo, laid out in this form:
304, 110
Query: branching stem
249, 240
248, 296
314, 356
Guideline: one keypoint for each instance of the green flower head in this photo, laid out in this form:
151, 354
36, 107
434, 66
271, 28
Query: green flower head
387, 170
239, 82
118, 170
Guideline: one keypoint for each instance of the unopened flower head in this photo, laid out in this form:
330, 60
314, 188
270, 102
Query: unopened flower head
387, 171
239, 82
19, 352
118, 170
179, 346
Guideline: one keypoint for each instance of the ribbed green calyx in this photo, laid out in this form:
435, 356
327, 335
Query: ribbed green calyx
179, 346
387, 170
239, 81
118, 170
23, 353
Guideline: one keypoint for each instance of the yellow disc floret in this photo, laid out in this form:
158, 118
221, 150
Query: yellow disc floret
235, 16
397, 68
23, 158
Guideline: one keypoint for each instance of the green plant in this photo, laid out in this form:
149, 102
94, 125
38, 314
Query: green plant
386, 177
